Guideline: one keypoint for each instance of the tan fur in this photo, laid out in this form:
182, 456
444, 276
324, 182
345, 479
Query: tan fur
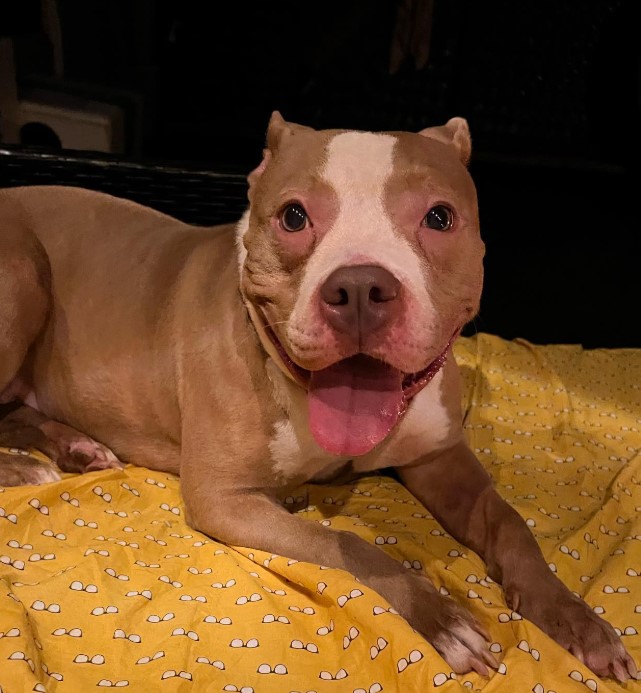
134, 328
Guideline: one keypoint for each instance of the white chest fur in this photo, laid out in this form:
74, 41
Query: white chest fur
297, 457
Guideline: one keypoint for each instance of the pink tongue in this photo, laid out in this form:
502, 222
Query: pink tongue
354, 404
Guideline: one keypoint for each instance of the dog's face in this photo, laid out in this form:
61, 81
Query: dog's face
363, 260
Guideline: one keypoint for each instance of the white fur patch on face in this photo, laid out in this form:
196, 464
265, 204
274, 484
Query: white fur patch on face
241, 229
359, 164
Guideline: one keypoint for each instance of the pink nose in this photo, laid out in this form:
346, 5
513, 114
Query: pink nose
360, 299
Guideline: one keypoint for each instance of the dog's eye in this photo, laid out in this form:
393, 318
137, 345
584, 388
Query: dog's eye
293, 218
439, 218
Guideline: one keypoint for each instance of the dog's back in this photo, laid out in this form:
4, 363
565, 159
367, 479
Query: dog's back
115, 267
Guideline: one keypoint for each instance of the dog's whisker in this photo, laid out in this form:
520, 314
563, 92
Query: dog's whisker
271, 325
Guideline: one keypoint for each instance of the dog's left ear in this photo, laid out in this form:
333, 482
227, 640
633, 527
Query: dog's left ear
456, 133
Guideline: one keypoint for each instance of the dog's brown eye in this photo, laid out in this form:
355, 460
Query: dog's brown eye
439, 218
293, 218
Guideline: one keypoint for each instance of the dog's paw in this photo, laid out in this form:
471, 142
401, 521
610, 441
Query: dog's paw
457, 636
593, 641
83, 454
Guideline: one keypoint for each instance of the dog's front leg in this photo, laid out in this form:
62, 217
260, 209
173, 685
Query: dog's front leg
457, 490
250, 517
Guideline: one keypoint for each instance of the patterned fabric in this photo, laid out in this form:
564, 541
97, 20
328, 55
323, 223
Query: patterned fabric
102, 584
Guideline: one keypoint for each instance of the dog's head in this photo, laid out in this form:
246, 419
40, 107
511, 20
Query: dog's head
361, 260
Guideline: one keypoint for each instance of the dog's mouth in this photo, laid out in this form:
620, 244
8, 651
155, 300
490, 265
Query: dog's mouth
355, 403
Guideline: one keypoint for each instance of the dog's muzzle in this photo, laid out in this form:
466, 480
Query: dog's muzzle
355, 403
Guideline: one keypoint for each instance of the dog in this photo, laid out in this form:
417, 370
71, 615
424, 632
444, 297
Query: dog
311, 339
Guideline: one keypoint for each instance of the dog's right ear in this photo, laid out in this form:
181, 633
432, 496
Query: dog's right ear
277, 130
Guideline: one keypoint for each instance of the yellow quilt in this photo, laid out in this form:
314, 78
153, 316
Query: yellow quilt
103, 585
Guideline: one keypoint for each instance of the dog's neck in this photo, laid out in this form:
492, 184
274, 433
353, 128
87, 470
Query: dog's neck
265, 341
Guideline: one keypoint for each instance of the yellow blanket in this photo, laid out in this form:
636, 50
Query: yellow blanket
102, 584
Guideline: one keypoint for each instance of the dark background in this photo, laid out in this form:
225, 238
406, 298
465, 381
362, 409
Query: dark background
552, 92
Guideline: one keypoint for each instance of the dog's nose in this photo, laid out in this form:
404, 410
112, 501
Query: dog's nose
360, 299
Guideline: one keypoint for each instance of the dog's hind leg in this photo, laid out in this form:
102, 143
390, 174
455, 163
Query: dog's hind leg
25, 294
23, 429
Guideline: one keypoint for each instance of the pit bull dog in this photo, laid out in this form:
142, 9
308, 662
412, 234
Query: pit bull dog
312, 338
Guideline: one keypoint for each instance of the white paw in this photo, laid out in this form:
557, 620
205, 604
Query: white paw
465, 649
